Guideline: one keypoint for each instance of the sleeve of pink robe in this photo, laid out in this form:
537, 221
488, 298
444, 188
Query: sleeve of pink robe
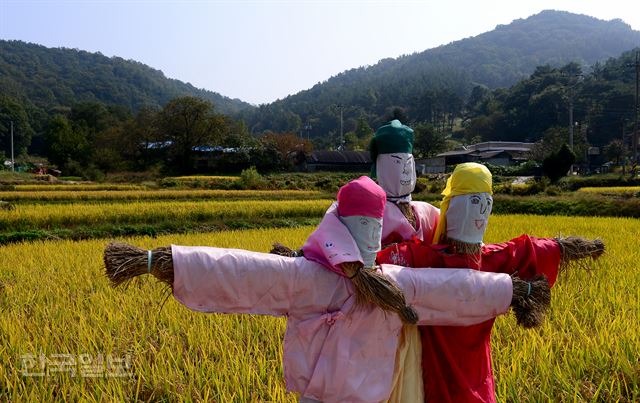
440, 295
238, 281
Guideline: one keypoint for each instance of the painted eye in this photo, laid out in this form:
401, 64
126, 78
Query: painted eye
475, 200
364, 222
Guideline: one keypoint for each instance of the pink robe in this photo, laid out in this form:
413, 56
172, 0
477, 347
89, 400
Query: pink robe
332, 244
332, 352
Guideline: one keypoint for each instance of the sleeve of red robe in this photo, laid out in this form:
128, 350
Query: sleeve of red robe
528, 256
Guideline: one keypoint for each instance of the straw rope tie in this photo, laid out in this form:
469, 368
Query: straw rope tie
356, 272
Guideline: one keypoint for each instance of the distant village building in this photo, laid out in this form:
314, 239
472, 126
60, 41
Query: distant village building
503, 153
342, 161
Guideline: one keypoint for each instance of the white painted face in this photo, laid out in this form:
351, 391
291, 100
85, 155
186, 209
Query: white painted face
467, 217
396, 173
367, 232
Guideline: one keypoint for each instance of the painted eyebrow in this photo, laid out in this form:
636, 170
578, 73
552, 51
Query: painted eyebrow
395, 156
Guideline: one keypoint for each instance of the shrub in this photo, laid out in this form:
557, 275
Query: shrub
553, 190
251, 179
605, 180
421, 185
168, 183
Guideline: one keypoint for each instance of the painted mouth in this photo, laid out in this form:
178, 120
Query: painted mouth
479, 223
405, 183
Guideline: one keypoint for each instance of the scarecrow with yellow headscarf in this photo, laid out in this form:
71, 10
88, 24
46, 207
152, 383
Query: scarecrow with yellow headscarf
456, 362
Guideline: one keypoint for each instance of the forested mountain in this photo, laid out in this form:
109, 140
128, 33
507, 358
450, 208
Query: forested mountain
58, 77
433, 85
538, 107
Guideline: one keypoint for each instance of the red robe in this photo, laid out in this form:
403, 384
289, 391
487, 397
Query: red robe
456, 361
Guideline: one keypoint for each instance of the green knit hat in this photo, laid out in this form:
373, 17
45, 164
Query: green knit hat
392, 137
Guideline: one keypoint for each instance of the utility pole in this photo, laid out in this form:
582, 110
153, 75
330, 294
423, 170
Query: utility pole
635, 125
571, 123
634, 138
341, 145
308, 128
13, 163
571, 119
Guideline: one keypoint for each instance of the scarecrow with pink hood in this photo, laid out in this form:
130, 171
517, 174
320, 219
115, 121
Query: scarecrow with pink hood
394, 168
338, 347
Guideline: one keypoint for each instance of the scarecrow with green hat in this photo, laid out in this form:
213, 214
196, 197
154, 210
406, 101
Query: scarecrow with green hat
456, 362
394, 168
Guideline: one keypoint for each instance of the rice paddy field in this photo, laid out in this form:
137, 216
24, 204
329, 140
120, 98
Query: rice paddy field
620, 191
61, 195
65, 334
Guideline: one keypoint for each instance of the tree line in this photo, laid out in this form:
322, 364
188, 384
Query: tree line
186, 135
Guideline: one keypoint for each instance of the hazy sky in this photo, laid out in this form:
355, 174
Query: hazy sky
260, 51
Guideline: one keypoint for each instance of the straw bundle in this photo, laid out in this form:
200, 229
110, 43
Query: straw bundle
530, 300
124, 262
407, 211
575, 252
373, 287
282, 250
463, 248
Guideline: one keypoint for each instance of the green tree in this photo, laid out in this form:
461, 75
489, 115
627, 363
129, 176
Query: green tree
189, 122
615, 150
287, 148
428, 142
12, 111
553, 139
65, 144
108, 155
363, 133
476, 104
141, 137
351, 141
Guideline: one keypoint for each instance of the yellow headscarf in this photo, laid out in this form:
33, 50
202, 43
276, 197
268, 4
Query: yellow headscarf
467, 178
